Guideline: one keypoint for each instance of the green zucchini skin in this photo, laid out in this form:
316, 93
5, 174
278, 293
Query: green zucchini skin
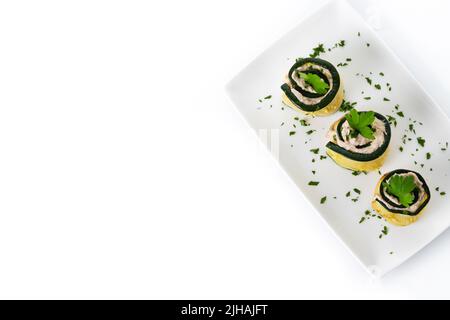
400, 209
328, 97
364, 157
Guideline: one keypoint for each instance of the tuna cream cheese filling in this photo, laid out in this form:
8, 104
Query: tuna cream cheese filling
355, 144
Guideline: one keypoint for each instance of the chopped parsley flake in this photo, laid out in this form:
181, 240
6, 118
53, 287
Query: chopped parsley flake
392, 120
317, 51
304, 123
339, 44
384, 232
347, 106
313, 183
421, 141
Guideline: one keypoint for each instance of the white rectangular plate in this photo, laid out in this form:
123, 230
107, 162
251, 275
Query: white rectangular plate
334, 22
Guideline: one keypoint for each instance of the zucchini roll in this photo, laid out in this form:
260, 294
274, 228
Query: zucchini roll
313, 86
401, 196
359, 141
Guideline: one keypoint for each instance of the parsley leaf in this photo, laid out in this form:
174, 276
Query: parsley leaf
361, 121
401, 187
315, 81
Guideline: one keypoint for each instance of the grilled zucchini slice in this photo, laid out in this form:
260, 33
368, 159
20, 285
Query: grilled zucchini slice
301, 95
389, 206
359, 154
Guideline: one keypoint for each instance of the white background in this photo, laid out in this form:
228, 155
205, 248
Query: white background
125, 172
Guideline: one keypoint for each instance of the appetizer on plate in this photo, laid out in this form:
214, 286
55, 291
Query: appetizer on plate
359, 141
401, 196
313, 86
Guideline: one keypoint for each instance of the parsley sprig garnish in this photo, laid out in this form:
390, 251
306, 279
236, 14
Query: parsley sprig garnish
360, 123
315, 81
401, 187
